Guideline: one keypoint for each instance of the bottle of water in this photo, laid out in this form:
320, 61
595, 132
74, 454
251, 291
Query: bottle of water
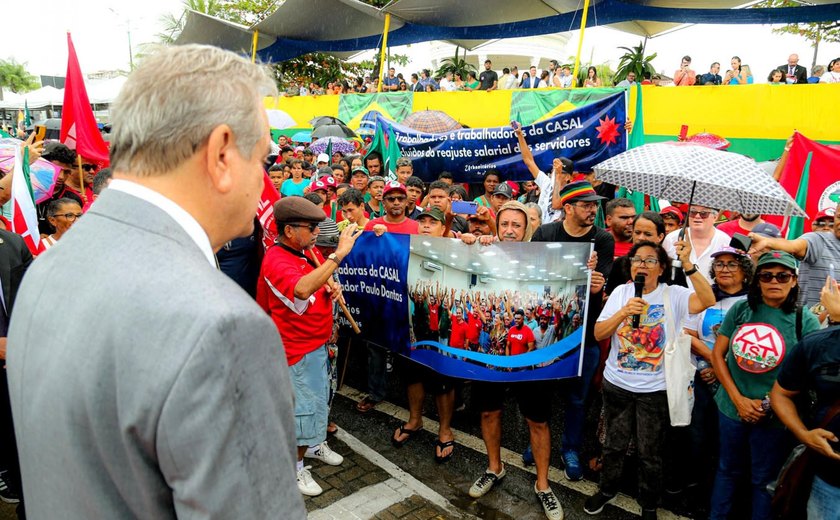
702, 364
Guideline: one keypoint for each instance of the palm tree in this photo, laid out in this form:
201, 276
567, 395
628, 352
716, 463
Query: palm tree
455, 65
14, 76
173, 26
634, 60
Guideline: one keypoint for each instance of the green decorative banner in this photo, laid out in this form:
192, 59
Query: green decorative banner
396, 106
530, 106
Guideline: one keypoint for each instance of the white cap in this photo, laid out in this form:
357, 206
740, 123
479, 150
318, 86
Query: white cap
322, 157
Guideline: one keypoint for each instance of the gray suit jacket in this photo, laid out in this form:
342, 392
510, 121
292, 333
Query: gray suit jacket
144, 382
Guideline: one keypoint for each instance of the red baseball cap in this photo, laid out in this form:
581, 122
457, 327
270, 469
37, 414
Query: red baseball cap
826, 213
672, 210
393, 186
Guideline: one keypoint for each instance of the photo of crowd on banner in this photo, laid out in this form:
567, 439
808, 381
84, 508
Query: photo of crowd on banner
501, 300
499, 323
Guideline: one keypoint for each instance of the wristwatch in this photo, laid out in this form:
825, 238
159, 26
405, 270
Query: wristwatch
334, 258
691, 271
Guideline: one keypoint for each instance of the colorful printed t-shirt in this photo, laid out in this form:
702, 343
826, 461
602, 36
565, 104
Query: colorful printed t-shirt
636, 359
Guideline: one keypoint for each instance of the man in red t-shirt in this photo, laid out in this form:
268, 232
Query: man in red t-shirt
520, 339
619, 215
475, 321
458, 336
297, 292
743, 224
394, 198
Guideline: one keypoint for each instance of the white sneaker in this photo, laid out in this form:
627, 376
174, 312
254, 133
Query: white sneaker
325, 454
306, 484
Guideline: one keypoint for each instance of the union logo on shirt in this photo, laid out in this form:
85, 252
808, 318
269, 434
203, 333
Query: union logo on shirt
758, 347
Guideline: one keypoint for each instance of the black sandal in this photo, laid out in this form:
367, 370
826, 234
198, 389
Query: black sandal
443, 445
403, 431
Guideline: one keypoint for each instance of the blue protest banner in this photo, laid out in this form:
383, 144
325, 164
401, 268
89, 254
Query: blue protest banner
453, 307
586, 135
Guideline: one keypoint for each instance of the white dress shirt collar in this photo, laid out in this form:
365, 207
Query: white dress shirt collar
178, 214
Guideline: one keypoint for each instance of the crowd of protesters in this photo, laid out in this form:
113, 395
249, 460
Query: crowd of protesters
558, 75
762, 317
727, 298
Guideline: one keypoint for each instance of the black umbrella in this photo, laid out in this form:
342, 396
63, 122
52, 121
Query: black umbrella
326, 120
333, 130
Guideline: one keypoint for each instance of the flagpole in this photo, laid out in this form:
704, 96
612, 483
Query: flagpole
580, 42
81, 179
254, 46
382, 54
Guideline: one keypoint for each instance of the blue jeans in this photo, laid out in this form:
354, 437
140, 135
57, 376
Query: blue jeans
574, 395
745, 448
824, 503
377, 376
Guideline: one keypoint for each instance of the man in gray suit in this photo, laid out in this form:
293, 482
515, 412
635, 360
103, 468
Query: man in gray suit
145, 383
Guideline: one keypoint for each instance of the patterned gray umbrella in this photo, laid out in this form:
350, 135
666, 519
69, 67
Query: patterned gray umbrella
707, 177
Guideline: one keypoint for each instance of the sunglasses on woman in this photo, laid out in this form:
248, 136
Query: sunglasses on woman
767, 277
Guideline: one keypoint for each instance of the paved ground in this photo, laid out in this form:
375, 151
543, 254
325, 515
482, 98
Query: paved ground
383, 482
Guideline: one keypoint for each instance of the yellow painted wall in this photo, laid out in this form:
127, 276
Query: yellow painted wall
737, 112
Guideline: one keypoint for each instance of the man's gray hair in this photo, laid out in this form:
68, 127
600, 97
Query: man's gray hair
172, 102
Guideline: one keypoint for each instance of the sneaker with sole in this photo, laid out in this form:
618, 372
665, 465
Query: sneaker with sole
549, 502
485, 483
572, 468
306, 484
595, 504
528, 456
325, 454
7, 495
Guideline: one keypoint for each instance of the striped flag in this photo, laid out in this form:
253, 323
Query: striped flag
24, 215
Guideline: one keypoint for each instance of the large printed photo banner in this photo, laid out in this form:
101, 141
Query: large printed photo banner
586, 135
451, 306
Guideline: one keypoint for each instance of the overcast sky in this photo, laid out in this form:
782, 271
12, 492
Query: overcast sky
100, 34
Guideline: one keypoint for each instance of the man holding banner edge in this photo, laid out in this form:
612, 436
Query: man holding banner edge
580, 203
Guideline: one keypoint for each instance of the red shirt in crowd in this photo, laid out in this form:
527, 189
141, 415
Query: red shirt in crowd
406, 227
473, 328
434, 317
304, 325
518, 338
622, 248
732, 227
458, 336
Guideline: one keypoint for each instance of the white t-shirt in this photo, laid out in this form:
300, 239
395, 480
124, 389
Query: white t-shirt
707, 323
637, 356
830, 77
448, 86
546, 185
704, 261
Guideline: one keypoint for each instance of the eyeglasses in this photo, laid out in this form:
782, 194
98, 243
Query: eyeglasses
588, 206
823, 224
70, 216
395, 199
89, 167
701, 214
731, 266
311, 226
649, 262
767, 277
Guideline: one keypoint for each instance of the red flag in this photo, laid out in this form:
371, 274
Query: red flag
78, 126
822, 180
265, 211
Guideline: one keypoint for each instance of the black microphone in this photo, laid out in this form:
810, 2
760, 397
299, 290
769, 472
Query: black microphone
639, 284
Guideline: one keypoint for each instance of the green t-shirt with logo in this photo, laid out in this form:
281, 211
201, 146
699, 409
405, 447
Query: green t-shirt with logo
759, 341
